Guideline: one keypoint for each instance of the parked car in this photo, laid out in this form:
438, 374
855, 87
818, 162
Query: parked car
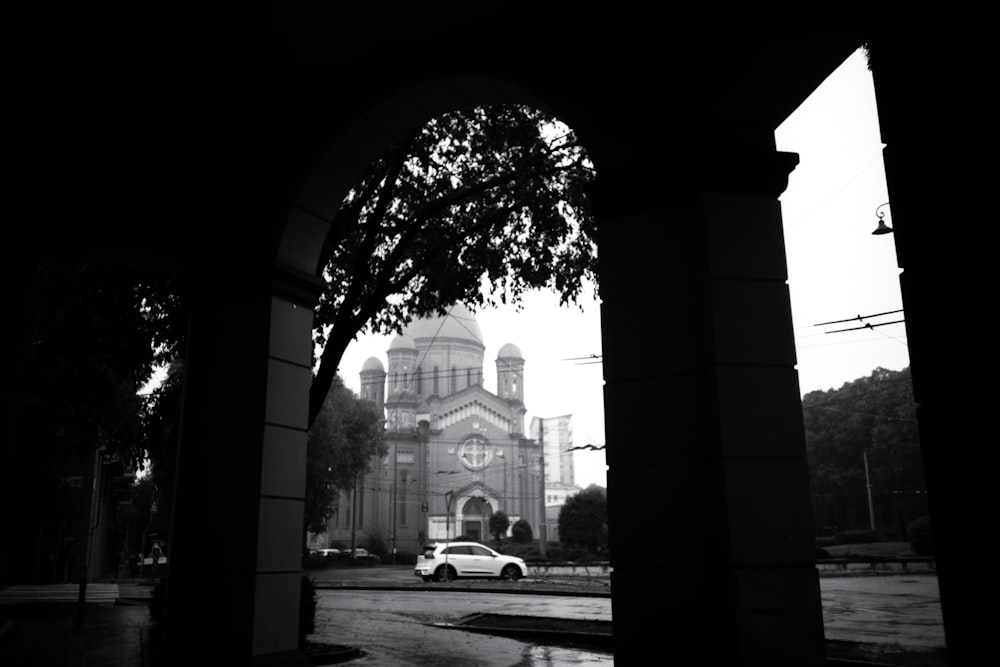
445, 561
329, 554
360, 555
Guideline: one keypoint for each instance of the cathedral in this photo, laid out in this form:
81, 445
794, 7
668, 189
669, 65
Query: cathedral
457, 452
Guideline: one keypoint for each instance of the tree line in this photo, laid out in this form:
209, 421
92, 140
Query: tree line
862, 442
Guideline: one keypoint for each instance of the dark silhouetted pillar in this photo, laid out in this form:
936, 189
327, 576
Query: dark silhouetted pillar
711, 526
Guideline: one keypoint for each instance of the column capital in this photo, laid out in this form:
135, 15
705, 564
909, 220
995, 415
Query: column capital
687, 172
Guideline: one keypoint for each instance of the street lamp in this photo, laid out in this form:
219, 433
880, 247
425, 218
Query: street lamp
882, 227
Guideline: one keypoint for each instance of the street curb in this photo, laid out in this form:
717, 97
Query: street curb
527, 628
436, 589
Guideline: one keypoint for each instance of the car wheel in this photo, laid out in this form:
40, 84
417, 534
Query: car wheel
446, 573
510, 573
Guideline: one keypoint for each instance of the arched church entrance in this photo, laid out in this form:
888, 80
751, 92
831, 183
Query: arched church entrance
476, 514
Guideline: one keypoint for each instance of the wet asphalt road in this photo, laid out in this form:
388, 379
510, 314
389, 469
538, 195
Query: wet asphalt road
395, 627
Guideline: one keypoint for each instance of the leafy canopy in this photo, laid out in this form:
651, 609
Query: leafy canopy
873, 417
477, 206
583, 520
499, 523
341, 442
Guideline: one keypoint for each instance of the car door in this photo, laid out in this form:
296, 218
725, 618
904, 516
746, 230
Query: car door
484, 561
460, 558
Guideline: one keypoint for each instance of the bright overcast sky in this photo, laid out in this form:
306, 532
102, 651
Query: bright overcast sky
837, 270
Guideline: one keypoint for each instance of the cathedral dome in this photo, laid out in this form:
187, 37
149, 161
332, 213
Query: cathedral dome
509, 351
402, 342
459, 323
373, 364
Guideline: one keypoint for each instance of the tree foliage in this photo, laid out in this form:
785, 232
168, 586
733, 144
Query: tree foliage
90, 336
499, 523
583, 521
873, 416
341, 442
521, 532
488, 197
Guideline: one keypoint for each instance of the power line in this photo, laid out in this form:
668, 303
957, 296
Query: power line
866, 325
860, 318
818, 206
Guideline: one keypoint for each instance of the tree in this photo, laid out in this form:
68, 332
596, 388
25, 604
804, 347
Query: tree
488, 197
521, 532
88, 340
341, 442
871, 418
499, 523
583, 521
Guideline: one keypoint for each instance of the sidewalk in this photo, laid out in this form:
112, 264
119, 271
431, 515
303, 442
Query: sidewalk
54, 631
39, 628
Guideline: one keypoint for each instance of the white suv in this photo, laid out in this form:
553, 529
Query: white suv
444, 561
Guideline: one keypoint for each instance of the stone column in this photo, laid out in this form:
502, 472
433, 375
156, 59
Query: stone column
940, 188
236, 538
711, 526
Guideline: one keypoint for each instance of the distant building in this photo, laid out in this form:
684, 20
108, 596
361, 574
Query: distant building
457, 452
556, 436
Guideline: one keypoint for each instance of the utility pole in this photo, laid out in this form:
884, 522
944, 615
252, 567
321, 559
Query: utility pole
542, 528
395, 458
354, 511
868, 487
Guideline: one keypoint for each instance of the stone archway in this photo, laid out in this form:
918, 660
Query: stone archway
709, 253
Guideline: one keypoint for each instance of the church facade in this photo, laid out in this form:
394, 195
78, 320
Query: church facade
457, 452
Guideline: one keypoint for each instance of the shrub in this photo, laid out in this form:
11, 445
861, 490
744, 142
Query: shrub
499, 523
314, 561
527, 551
307, 609
521, 532
825, 541
858, 537
921, 539
405, 558
575, 553
376, 545
583, 521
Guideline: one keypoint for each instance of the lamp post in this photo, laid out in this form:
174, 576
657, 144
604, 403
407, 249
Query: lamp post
423, 433
882, 228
